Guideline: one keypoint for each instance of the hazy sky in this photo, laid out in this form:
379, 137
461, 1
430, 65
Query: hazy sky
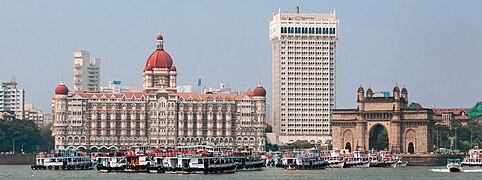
432, 47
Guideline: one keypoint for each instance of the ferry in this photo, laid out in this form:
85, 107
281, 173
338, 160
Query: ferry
306, 159
473, 161
63, 159
335, 159
111, 161
383, 159
248, 161
357, 159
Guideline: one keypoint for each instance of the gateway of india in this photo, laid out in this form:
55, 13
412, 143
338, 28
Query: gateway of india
408, 127
158, 115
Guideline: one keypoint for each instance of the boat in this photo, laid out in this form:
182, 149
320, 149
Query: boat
454, 165
383, 159
334, 159
473, 161
63, 159
248, 161
111, 161
306, 159
357, 159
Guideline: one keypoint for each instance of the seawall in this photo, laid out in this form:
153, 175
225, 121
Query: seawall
17, 159
428, 159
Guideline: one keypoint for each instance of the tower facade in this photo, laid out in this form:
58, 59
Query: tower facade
86, 72
303, 67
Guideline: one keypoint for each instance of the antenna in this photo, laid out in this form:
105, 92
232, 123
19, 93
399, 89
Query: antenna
12, 78
298, 9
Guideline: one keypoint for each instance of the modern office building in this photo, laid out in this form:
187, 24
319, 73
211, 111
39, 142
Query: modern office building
303, 75
86, 72
159, 115
12, 99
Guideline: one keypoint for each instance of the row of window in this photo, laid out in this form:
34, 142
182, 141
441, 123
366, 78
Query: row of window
307, 30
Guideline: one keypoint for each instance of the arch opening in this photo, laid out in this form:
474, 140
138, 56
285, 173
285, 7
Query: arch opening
411, 148
378, 138
348, 146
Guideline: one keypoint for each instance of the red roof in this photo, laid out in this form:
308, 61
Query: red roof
259, 91
173, 68
61, 89
159, 59
159, 37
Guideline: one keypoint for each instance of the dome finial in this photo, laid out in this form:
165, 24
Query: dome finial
160, 41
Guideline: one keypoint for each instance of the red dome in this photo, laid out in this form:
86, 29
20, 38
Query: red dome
159, 59
173, 68
259, 91
61, 89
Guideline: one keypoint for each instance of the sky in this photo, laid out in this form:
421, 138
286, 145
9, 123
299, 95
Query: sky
432, 47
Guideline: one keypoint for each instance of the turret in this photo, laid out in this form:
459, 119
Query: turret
369, 92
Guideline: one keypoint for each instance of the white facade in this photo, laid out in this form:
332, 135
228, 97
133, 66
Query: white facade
35, 115
303, 67
12, 99
86, 72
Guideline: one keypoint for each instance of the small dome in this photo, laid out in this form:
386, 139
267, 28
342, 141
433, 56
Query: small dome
369, 90
61, 89
404, 90
159, 37
396, 89
148, 68
361, 90
173, 68
259, 91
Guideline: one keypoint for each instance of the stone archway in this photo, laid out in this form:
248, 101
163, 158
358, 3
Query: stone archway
410, 141
348, 139
378, 139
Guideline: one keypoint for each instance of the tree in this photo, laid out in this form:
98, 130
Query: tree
24, 134
301, 144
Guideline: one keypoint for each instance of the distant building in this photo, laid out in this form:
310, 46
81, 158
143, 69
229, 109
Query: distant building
303, 75
86, 72
444, 116
47, 119
12, 99
115, 87
34, 115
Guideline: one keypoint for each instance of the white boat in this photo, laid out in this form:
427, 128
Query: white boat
402, 163
306, 159
335, 160
473, 161
357, 159
63, 159
453, 165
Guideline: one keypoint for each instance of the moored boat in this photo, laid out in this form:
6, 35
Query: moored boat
248, 161
63, 159
334, 159
306, 159
473, 161
357, 159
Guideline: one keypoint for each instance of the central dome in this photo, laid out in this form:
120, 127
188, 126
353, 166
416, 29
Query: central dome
159, 58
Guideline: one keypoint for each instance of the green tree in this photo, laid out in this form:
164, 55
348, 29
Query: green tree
301, 144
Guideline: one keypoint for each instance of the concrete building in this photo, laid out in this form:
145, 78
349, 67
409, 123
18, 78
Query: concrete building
86, 72
445, 116
115, 87
35, 115
12, 99
158, 115
408, 128
303, 75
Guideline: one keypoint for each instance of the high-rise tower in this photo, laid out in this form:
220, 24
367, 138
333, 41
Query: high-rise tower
303, 67
86, 72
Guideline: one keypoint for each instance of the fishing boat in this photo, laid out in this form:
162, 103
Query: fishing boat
357, 159
63, 159
473, 161
383, 159
453, 165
